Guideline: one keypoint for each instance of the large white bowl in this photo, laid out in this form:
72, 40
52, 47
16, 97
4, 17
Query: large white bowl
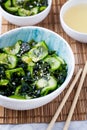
27, 20
54, 42
81, 37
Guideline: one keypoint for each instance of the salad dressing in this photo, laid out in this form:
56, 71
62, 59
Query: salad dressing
76, 17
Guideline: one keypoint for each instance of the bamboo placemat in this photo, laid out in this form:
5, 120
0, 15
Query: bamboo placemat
46, 112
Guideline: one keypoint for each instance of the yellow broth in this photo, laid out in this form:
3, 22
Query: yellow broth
76, 17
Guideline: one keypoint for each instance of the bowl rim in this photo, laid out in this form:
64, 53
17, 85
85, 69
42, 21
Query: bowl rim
62, 13
67, 80
26, 17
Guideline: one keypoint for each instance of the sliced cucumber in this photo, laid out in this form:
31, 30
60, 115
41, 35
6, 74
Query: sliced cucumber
9, 60
12, 61
3, 58
12, 9
39, 52
4, 82
42, 8
60, 59
7, 3
47, 84
42, 43
15, 3
17, 97
9, 8
13, 49
41, 83
18, 71
17, 90
54, 61
34, 11
26, 59
23, 12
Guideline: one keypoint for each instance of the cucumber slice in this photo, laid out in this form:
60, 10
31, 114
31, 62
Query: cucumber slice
4, 82
13, 49
26, 59
59, 58
39, 52
12, 9
54, 61
18, 71
9, 8
7, 3
41, 83
17, 90
15, 3
23, 12
34, 11
3, 58
9, 60
42, 43
42, 8
12, 61
47, 84
17, 97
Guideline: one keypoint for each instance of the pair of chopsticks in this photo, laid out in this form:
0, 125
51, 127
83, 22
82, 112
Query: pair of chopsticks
81, 81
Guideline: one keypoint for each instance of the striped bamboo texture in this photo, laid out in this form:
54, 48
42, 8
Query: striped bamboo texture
45, 113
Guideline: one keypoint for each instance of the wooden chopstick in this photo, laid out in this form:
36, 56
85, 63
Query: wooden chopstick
75, 98
64, 100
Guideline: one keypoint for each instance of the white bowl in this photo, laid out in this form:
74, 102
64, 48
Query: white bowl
79, 36
27, 20
54, 42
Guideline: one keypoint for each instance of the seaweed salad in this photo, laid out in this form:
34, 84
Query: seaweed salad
24, 7
30, 70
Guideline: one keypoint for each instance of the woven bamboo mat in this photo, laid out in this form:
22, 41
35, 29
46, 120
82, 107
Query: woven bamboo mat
45, 113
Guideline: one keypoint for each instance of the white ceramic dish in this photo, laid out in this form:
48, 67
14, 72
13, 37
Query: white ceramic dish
54, 42
79, 36
28, 20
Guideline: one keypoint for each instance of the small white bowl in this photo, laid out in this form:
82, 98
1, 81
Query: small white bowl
27, 20
79, 36
54, 42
